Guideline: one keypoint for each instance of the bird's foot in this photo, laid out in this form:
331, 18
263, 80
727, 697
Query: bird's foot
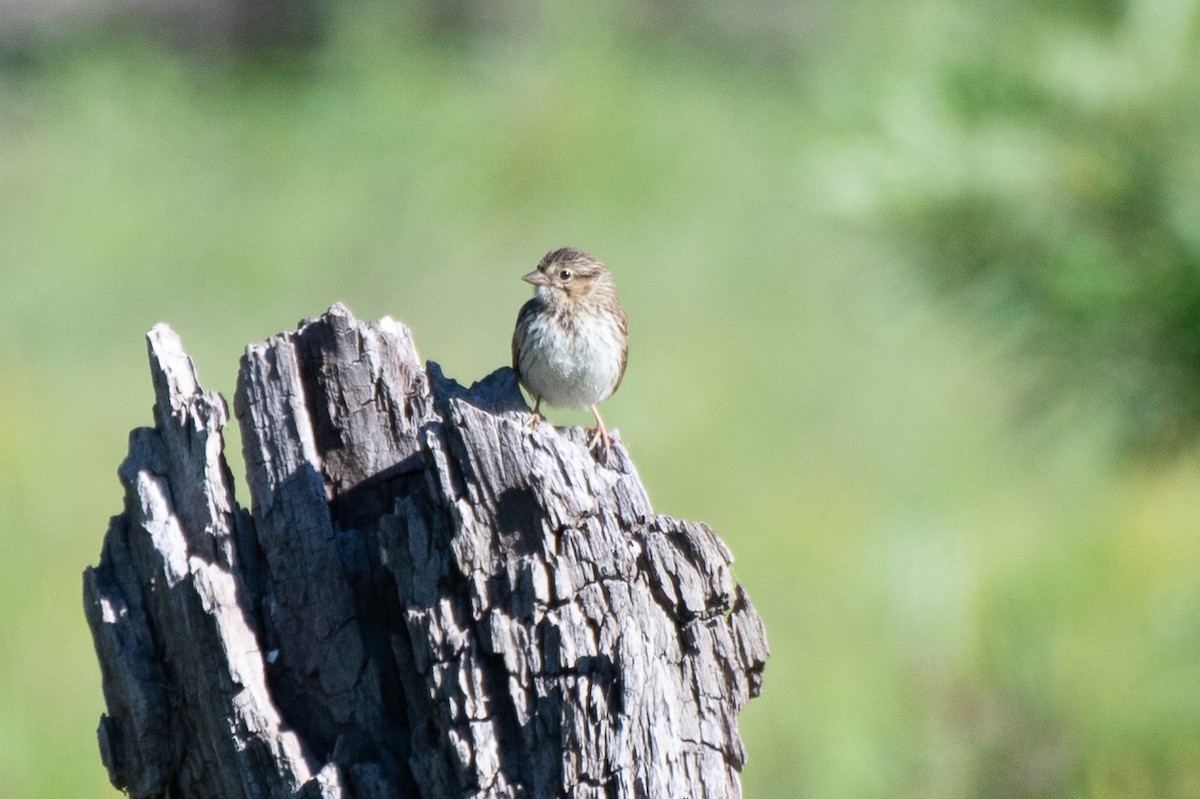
537, 413
600, 442
600, 437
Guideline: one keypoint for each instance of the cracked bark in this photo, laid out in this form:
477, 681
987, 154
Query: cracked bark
428, 597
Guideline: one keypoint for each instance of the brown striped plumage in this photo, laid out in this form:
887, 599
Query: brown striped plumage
571, 342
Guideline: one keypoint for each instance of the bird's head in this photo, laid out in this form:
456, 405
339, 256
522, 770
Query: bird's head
569, 275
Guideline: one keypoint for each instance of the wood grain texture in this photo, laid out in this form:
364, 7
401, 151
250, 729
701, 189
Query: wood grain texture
428, 597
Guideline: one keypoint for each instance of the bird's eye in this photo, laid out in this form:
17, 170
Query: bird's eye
564, 274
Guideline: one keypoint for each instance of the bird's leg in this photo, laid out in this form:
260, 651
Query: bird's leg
600, 433
537, 413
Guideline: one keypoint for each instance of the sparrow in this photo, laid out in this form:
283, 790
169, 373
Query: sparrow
571, 341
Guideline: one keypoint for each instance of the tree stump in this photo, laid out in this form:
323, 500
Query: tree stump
428, 597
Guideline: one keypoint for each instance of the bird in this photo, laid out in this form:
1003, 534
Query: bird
571, 341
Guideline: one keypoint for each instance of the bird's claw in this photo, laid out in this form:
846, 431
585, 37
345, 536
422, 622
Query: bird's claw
600, 442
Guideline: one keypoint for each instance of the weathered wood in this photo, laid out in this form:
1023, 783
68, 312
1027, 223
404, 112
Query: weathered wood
428, 597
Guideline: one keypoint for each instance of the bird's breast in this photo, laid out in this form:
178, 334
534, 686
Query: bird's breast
574, 362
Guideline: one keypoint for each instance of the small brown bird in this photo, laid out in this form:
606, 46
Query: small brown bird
572, 339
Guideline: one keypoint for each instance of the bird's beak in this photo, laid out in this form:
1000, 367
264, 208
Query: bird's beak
536, 278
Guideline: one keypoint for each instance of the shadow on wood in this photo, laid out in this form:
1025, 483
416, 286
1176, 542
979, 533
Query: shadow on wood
428, 597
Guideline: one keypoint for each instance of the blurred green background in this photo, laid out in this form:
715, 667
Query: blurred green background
914, 291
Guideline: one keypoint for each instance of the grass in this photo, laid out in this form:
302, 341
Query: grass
969, 589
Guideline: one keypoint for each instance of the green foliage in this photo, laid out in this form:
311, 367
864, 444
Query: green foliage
1070, 202
900, 278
